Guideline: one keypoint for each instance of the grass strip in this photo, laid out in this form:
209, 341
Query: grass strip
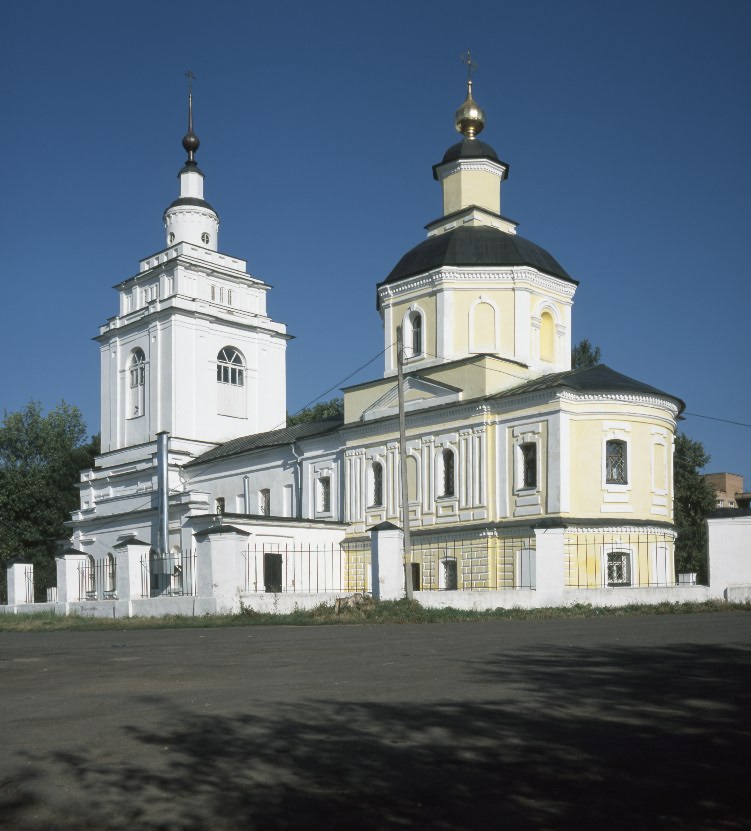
367, 613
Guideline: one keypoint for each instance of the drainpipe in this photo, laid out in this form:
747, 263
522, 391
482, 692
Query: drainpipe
246, 492
162, 473
298, 477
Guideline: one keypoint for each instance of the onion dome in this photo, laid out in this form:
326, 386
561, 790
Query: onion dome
469, 118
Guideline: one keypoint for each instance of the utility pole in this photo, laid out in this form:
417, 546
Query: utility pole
403, 464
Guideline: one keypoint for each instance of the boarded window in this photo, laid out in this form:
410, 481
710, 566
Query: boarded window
547, 344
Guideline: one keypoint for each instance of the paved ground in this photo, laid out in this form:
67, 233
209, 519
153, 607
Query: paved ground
618, 723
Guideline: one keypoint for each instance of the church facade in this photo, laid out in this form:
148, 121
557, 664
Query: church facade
517, 465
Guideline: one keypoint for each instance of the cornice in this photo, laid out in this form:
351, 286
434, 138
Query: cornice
602, 398
484, 165
513, 276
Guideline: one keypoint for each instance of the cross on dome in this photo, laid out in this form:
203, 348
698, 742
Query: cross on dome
469, 119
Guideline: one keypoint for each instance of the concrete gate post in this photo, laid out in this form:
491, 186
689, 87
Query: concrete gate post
217, 572
550, 566
68, 576
387, 561
19, 585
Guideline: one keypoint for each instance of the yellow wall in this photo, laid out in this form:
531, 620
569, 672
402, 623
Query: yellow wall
471, 187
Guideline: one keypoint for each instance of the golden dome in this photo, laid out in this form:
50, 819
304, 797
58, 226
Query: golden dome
469, 118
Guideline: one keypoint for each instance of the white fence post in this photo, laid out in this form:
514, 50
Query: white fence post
20, 575
387, 561
218, 548
550, 571
68, 576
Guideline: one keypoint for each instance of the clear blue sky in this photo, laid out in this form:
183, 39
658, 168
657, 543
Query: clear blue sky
626, 125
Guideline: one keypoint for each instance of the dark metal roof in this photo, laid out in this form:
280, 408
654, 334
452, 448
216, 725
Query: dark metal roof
190, 201
470, 149
475, 245
273, 438
600, 378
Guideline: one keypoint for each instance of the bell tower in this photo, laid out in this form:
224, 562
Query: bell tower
192, 350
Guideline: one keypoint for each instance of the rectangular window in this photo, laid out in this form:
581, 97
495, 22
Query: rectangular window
529, 464
213, 294
264, 502
449, 482
221, 294
619, 568
324, 494
615, 463
229, 297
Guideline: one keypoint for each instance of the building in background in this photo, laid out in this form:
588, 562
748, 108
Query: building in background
729, 489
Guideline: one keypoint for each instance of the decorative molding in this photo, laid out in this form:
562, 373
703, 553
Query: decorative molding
512, 275
484, 165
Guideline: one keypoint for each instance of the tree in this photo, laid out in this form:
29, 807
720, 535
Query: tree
318, 412
41, 457
694, 499
584, 355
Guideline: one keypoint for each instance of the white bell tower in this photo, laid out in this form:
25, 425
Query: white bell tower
192, 350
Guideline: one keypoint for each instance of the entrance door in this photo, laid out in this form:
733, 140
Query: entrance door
272, 571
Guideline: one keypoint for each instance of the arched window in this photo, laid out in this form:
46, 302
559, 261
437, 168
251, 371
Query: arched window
616, 469
109, 575
547, 333
229, 367
482, 328
230, 377
413, 334
416, 321
137, 381
449, 473
376, 472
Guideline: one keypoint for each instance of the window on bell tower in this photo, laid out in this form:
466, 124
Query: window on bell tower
230, 377
137, 384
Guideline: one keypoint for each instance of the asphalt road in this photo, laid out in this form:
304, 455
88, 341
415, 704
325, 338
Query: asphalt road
618, 723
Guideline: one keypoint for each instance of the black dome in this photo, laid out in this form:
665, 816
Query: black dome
470, 149
475, 245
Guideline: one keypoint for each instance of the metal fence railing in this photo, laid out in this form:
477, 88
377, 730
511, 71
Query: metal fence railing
491, 563
97, 579
168, 575
281, 568
608, 560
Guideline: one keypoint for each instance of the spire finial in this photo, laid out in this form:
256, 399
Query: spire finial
469, 118
471, 67
190, 140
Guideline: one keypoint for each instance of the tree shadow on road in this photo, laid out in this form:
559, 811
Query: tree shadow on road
623, 738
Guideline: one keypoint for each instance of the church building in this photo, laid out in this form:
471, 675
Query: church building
518, 467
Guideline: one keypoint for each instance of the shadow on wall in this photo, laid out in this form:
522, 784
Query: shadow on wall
586, 738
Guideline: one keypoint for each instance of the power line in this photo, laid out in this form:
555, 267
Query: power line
715, 418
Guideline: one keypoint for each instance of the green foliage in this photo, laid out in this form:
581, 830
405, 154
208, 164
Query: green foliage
318, 412
694, 499
584, 355
40, 460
